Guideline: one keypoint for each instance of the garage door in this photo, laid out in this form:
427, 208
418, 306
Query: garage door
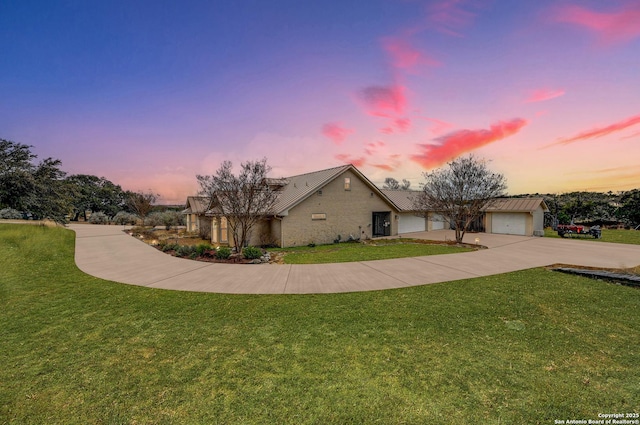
509, 223
411, 223
437, 222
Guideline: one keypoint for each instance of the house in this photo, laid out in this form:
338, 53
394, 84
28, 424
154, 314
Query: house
321, 207
516, 216
195, 209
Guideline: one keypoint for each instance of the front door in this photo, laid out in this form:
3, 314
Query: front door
381, 224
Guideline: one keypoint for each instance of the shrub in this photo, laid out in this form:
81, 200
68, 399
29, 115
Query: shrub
98, 218
123, 217
167, 219
251, 253
224, 252
170, 247
186, 251
202, 248
11, 214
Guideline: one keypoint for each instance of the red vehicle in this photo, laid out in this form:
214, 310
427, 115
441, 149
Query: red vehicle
569, 230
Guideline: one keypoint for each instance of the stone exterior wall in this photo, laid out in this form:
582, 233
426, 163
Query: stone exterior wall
322, 217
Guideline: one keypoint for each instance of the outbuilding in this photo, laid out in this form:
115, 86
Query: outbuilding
516, 216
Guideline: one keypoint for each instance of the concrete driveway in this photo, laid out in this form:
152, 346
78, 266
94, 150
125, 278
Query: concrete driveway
108, 253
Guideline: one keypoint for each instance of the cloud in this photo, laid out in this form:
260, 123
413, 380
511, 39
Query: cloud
448, 17
454, 144
598, 132
404, 56
384, 101
348, 159
385, 167
541, 95
373, 147
439, 126
336, 132
611, 27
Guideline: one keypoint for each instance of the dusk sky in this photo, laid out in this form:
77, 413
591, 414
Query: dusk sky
150, 93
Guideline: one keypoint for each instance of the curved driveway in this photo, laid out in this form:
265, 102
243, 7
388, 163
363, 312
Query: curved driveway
108, 253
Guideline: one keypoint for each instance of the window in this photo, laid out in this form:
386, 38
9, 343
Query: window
347, 183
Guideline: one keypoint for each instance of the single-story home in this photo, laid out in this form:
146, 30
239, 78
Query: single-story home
320, 207
340, 203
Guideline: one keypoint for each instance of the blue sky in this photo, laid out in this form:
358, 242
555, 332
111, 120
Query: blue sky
149, 94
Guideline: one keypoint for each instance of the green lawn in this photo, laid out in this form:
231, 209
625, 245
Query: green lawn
526, 347
348, 252
608, 235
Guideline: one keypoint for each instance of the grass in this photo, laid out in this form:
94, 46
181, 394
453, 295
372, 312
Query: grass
349, 252
526, 347
608, 235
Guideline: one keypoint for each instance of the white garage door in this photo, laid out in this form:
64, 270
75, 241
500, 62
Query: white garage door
411, 223
437, 222
508, 223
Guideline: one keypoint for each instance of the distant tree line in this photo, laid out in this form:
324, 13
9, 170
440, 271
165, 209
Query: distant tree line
610, 208
39, 190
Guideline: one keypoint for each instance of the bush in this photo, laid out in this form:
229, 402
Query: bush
123, 217
202, 248
251, 253
10, 214
98, 218
170, 247
224, 252
167, 219
186, 251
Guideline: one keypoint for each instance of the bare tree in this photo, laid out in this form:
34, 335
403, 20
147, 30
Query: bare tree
460, 192
393, 184
141, 203
244, 199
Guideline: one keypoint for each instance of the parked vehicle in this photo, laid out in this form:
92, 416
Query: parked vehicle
568, 230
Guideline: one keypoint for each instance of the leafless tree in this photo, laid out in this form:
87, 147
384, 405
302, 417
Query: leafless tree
393, 184
460, 192
244, 199
141, 203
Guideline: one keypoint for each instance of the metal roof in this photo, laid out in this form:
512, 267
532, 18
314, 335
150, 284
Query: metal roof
302, 186
196, 205
402, 198
516, 205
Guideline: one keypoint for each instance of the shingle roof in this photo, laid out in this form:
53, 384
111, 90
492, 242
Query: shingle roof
402, 198
516, 205
196, 205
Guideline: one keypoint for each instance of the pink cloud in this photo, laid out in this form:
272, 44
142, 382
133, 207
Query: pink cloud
348, 159
384, 101
454, 144
449, 17
598, 132
385, 167
439, 126
373, 147
544, 94
386, 130
611, 27
402, 124
404, 56
336, 132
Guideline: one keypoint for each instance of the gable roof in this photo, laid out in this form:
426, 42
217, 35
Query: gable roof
302, 186
196, 205
516, 205
402, 198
